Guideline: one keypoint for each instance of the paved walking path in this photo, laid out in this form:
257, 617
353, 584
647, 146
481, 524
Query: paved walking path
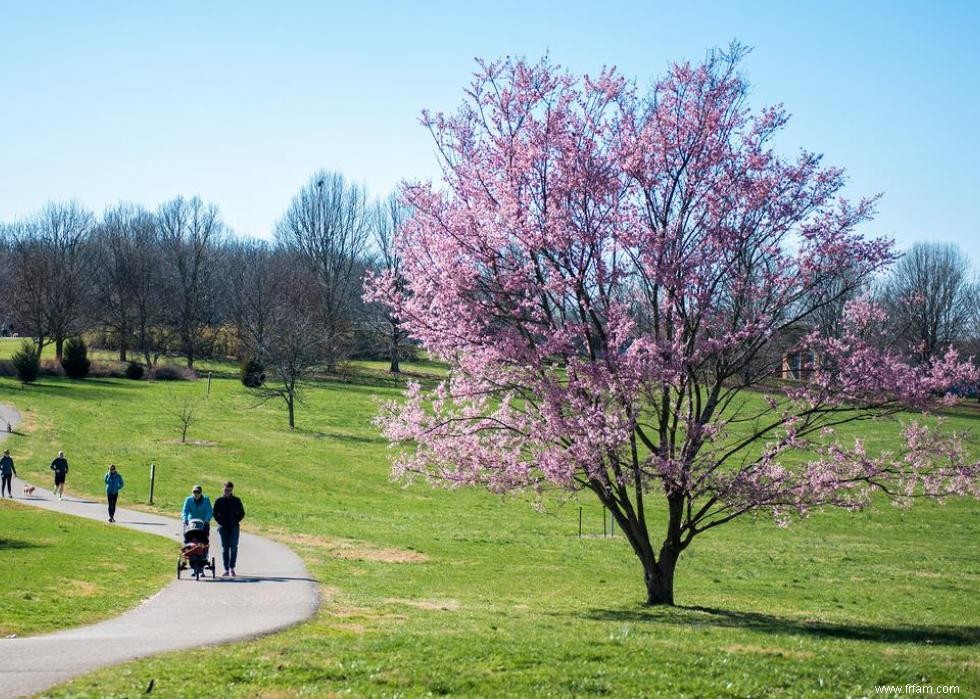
273, 590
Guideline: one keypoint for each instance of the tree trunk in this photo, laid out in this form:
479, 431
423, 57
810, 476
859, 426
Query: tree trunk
660, 581
59, 345
289, 405
394, 368
122, 351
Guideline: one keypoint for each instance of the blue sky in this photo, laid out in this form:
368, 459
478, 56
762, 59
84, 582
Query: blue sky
240, 102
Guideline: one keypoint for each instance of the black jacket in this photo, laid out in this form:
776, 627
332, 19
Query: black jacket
228, 511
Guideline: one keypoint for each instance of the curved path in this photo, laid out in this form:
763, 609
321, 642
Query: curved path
273, 591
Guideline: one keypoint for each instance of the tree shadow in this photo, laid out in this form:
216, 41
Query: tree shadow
342, 437
768, 623
17, 544
64, 390
367, 379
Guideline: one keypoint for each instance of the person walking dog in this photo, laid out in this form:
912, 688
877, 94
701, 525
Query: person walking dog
60, 468
113, 484
228, 513
7, 471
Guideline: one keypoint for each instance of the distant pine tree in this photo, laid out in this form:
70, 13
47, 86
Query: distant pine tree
26, 362
252, 373
74, 359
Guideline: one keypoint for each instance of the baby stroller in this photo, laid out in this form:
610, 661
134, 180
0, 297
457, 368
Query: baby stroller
194, 552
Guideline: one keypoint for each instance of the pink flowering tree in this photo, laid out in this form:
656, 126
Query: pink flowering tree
615, 280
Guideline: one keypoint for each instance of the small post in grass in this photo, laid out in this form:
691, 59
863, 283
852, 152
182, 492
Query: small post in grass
153, 474
209, 386
579, 522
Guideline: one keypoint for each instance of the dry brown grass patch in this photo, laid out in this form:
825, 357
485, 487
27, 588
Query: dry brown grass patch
81, 588
192, 443
445, 605
351, 550
765, 650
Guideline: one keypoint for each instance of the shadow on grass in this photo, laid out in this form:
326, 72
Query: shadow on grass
343, 437
17, 544
376, 379
768, 623
65, 390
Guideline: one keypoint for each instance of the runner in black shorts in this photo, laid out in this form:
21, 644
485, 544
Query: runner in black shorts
60, 468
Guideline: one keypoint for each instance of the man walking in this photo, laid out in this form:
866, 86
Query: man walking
7, 471
60, 468
228, 513
113, 484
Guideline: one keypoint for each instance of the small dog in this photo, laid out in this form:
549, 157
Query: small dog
28, 490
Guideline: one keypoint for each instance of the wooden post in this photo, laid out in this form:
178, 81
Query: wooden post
209, 385
579, 522
153, 474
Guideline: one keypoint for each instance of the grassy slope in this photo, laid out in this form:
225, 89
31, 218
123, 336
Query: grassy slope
61, 571
460, 592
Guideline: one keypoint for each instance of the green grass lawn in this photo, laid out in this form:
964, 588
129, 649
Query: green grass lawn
435, 592
61, 571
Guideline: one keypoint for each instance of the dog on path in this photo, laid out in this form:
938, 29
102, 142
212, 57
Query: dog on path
28, 490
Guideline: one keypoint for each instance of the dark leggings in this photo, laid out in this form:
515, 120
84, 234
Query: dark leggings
7, 479
112, 497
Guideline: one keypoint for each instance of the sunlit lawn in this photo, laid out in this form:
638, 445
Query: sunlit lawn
431, 591
63, 571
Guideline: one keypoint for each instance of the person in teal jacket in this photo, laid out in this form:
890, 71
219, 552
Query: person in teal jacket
197, 506
113, 484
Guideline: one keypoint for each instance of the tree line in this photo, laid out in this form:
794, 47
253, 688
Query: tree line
176, 281
930, 300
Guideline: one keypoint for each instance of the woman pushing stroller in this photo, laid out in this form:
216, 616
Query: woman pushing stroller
195, 553
197, 506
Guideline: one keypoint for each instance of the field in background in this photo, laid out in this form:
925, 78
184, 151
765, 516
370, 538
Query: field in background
429, 591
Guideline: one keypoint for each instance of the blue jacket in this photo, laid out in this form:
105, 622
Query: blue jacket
113, 482
7, 466
197, 509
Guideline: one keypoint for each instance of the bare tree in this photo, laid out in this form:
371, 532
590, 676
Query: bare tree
27, 273
248, 271
118, 250
66, 229
190, 230
50, 283
282, 335
327, 224
389, 216
131, 297
930, 298
184, 411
